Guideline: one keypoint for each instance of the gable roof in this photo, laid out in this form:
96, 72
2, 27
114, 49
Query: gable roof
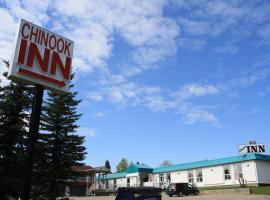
142, 168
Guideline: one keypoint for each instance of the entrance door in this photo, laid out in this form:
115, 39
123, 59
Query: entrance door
128, 182
114, 184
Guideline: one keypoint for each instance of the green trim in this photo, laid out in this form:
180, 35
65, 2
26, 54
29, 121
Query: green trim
112, 176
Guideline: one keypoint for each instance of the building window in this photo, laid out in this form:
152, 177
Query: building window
227, 173
168, 177
161, 178
238, 174
199, 175
190, 177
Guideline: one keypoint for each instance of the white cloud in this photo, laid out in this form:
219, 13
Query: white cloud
250, 78
227, 49
94, 96
140, 23
196, 90
157, 100
87, 132
192, 44
195, 27
98, 115
199, 116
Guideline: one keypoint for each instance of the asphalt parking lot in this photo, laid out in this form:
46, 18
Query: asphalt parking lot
200, 197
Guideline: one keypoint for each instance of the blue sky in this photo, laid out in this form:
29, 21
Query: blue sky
161, 79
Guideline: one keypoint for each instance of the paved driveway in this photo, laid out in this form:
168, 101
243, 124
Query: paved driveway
200, 197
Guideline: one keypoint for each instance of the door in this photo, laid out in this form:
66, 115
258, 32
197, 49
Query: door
128, 182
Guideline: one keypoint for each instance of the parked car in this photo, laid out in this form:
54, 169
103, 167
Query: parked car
181, 189
138, 193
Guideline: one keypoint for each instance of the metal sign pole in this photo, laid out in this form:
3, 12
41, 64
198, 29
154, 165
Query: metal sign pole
32, 139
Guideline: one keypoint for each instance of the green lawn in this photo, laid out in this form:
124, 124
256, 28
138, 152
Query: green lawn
219, 188
265, 190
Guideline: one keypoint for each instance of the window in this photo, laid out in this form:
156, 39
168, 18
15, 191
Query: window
238, 174
161, 178
227, 173
199, 175
168, 177
190, 177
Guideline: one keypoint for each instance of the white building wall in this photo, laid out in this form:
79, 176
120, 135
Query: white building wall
215, 175
121, 182
263, 170
111, 184
134, 179
250, 172
179, 177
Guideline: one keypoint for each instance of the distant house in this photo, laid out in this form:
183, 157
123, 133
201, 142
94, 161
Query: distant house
250, 169
83, 185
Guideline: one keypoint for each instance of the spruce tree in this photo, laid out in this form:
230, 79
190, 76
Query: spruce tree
122, 165
15, 104
59, 147
107, 165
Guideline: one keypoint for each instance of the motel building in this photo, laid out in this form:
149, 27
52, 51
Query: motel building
245, 169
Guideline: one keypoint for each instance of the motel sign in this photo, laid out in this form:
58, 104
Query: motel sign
251, 148
41, 57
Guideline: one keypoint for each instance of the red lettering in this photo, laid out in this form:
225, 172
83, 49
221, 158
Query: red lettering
39, 34
44, 38
56, 61
34, 32
50, 42
23, 27
67, 48
60, 50
22, 51
34, 52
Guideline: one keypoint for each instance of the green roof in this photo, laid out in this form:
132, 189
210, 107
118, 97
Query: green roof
112, 176
208, 163
141, 168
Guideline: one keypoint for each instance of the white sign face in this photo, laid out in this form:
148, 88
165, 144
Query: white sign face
41, 57
251, 148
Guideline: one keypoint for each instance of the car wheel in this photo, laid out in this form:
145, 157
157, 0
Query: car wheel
170, 195
180, 194
196, 192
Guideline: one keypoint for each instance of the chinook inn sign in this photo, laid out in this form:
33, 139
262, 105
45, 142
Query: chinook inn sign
41, 57
251, 148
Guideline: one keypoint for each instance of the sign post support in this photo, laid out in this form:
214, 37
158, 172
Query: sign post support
32, 139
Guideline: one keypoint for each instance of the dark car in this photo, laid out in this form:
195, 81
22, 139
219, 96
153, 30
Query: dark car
181, 189
138, 193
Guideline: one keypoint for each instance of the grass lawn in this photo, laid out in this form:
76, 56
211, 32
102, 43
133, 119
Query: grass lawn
265, 190
262, 190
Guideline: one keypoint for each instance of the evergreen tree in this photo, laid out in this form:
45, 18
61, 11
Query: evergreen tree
15, 104
165, 163
107, 165
59, 148
122, 166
